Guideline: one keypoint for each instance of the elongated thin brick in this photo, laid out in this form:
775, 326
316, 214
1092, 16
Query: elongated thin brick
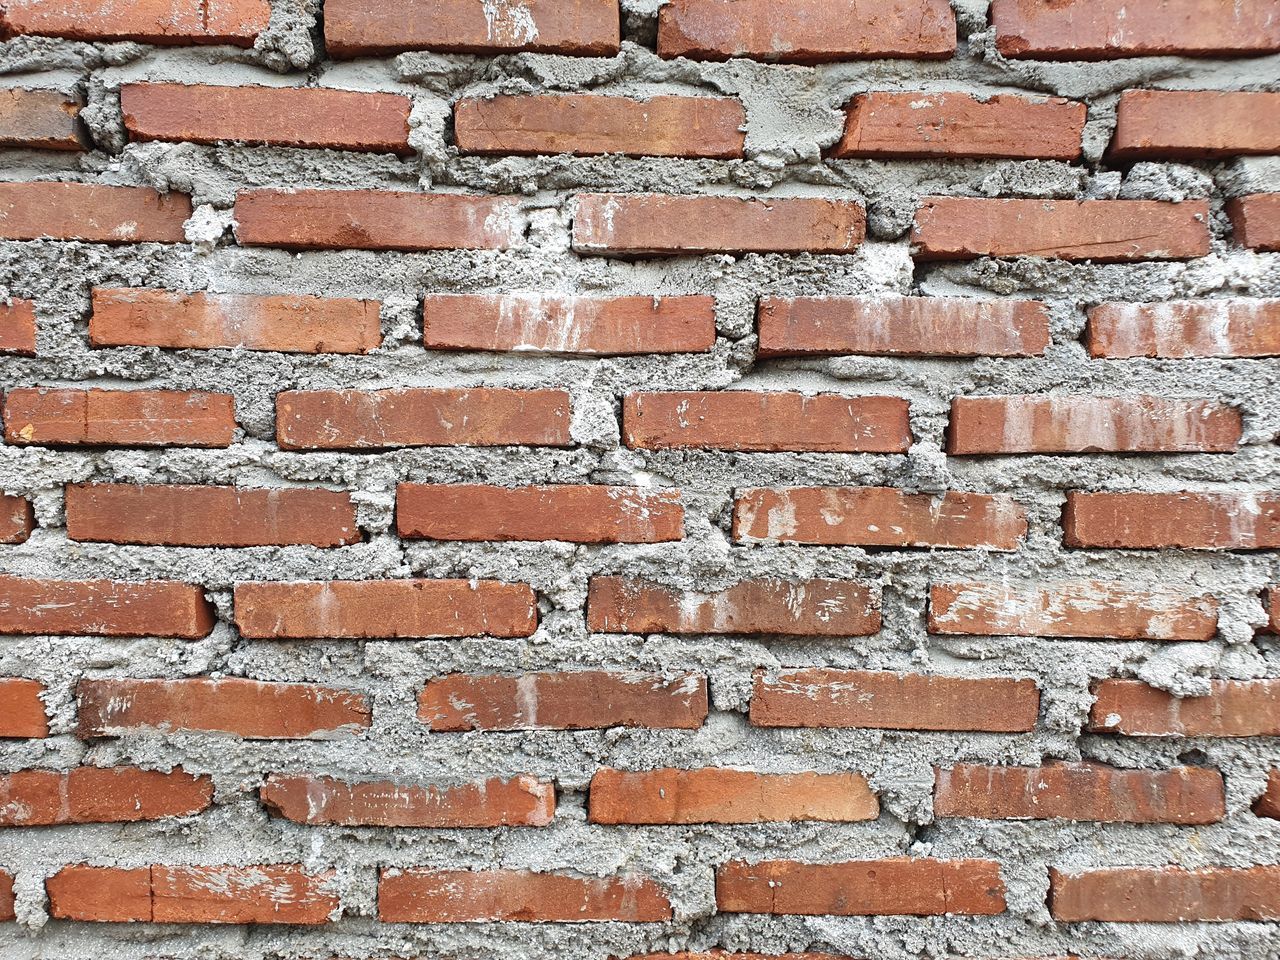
711, 127
100, 894
521, 801
23, 715
830, 608
579, 700
1157, 521
572, 513
47, 416
35, 798
1255, 220
204, 321
107, 608
1268, 805
1232, 708
17, 519
1165, 894
91, 212
18, 328
6, 897
728, 796
168, 22
356, 609
914, 125
39, 119
423, 417
877, 517
1074, 609
893, 701
765, 422
1106, 231
1195, 124
907, 326
1089, 424
1181, 329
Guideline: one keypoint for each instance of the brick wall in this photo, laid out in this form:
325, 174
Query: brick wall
612, 478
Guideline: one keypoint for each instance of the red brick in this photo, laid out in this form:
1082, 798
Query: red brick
277, 116
826, 608
574, 514
1157, 521
358, 609
23, 715
806, 31
728, 796
1089, 609
6, 897
39, 119
587, 124
37, 798
898, 886
580, 700
1088, 424
1256, 221
17, 519
421, 417
1273, 609
18, 328
165, 22
877, 517
1233, 708
522, 801
194, 516
1080, 791
907, 326
1110, 29
1105, 231
51, 417
472, 896
590, 28
1268, 805
1195, 124
91, 212
105, 608
275, 894
1180, 329
569, 324
882, 700
650, 224
207, 321
1165, 894
245, 708
748, 420
887, 124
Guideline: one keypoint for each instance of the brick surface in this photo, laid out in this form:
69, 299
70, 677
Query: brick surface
90, 212
36, 798
1268, 805
1182, 329
1154, 521
17, 519
1165, 894
108, 608
1232, 708
24, 714
49, 417
18, 328
6, 897
168, 22
1195, 124
40, 119
1255, 221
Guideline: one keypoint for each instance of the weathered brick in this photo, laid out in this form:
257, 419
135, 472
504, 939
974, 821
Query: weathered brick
579, 700
1165, 894
907, 326
877, 517
23, 715
37, 798
205, 321
650, 224
889, 124
1233, 708
18, 328
828, 608
244, 708
107, 608
1180, 329
17, 519
728, 796
586, 124
421, 417
884, 700
1195, 124
165, 22
1268, 805
6, 897
898, 886
1110, 29
1089, 609
53, 417
472, 896
278, 116
589, 28
1106, 231
100, 894
1256, 221
356, 609
1157, 521
196, 516
376, 220
806, 31
1039, 423
39, 119
1080, 791
571, 513
91, 212
522, 801
746, 420
569, 323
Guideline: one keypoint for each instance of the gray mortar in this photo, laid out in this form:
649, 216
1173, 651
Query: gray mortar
793, 115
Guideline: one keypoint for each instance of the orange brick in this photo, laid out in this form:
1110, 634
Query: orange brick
1165, 894
236, 22
17, 519
1185, 328
6, 897
1268, 805
1233, 708
1195, 124
91, 212
1256, 221
106, 608
23, 715
37, 798
100, 894
18, 328
52, 417
39, 119
1157, 521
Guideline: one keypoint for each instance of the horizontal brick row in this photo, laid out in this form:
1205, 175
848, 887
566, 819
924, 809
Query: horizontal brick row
34, 798
166, 22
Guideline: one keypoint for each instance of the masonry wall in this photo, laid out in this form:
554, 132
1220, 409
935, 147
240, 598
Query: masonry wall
601, 478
